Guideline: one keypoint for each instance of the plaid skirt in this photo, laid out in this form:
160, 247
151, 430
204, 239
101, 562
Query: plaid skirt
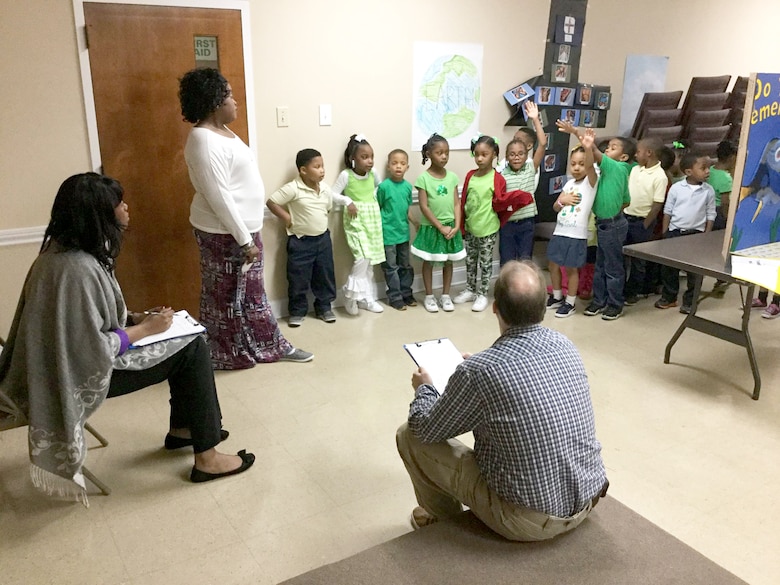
242, 330
364, 232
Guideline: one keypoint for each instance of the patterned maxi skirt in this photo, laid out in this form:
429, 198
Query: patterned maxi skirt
242, 330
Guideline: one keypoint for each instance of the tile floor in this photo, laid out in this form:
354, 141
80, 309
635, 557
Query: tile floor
684, 444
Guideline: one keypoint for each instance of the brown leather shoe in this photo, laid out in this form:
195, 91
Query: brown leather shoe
420, 518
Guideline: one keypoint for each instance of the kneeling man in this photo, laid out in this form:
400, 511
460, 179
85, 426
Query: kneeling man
535, 470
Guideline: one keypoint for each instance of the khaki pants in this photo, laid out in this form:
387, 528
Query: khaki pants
445, 475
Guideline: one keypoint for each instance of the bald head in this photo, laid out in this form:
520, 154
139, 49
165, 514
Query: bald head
521, 294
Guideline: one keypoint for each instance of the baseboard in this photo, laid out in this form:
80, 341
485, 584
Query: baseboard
18, 236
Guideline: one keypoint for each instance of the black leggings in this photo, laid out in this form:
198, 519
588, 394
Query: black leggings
194, 402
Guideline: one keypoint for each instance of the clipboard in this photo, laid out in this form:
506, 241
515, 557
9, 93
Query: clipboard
439, 357
182, 325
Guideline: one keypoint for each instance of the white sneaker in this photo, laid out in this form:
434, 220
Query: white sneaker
430, 304
464, 296
480, 303
446, 303
371, 306
351, 306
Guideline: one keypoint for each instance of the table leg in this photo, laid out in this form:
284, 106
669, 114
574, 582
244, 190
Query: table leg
689, 317
746, 309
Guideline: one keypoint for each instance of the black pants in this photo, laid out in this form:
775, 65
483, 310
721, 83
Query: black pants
310, 265
194, 403
671, 276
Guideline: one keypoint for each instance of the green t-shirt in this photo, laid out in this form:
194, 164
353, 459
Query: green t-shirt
612, 190
481, 220
721, 182
441, 198
394, 200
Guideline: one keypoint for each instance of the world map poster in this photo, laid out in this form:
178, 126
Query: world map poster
446, 92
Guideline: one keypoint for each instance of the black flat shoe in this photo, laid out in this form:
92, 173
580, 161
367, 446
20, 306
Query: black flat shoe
172, 442
247, 459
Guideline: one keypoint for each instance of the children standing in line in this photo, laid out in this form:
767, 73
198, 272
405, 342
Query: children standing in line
516, 236
611, 225
363, 227
309, 248
568, 246
484, 194
438, 237
689, 209
394, 196
647, 185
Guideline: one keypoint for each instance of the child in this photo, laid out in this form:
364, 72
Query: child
568, 246
720, 180
309, 249
689, 209
363, 226
438, 237
647, 185
516, 236
394, 196
611, 225
484, 194
680, 149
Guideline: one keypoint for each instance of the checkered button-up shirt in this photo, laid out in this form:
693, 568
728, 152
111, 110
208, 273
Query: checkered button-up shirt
527, 401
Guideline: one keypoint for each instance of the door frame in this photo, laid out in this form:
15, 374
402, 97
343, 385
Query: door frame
86, 71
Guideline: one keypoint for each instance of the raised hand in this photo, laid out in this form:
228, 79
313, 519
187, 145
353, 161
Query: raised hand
567, 127
588, 138
531, 109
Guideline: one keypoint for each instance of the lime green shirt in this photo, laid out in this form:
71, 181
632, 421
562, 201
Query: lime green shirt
481, 220
441, 196
721, 182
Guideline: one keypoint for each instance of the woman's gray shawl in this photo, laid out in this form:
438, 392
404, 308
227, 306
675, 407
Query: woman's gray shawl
56, 367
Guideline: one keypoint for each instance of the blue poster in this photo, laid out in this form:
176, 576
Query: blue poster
757, 219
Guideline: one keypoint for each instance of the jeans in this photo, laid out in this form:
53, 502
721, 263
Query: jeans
516, 239
637, 276
310, 264
399, 273
610, 276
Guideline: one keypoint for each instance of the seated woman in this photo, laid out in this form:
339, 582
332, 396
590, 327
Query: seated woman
69, 347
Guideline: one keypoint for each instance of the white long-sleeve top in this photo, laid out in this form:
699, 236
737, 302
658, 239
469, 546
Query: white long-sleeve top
229, 192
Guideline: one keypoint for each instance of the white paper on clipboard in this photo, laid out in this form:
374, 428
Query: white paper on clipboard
439, 357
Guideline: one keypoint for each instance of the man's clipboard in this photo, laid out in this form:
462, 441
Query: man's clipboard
439, 357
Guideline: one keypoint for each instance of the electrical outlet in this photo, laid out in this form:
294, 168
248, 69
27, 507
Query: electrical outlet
282, 116
326, 115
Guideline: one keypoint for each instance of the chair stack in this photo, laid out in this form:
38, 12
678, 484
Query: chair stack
659, 115
705, 113
736, 103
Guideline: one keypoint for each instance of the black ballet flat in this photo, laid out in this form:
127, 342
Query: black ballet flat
247, 459
172, 442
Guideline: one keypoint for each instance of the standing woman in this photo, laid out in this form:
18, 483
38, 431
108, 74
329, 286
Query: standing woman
227, 214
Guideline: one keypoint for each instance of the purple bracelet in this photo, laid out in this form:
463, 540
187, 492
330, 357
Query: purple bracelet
124, 340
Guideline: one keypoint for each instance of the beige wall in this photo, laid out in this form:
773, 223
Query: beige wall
357, 56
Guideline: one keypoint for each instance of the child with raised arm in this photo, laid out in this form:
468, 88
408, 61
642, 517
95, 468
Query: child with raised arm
611, 225
394, 196
516, 236
647, 186
438, 238
362, 225
568, 247
689, 209
303, 206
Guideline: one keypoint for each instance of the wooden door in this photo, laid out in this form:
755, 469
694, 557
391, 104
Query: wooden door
137, 55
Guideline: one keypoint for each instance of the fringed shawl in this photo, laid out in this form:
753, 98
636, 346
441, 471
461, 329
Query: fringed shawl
56, 368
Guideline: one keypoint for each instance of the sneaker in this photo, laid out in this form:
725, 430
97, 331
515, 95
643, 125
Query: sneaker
351, 306
480, 303
631, 300
446, 303
685, 309
565, 310
593, 309
662, 303
771, 312
295, 320
719, 289
371, 306
297, 355
420, 518
327, 316
553, 303
611, 313
758, 304
398, 305
465, 296
430, 304
410, 302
